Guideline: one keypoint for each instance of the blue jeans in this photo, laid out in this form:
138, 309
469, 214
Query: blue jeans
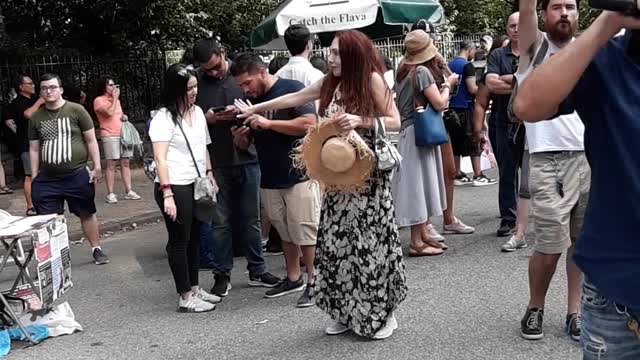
605, 334
509, 157
238, 208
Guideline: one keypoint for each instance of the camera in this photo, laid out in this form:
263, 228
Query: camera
629, 7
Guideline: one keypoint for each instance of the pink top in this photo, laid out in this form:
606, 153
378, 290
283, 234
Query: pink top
109, 125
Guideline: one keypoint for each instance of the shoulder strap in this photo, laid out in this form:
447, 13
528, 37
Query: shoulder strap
195, 163
542, 52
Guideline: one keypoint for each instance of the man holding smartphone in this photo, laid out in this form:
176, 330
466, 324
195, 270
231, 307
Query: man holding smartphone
598, 77
236, 170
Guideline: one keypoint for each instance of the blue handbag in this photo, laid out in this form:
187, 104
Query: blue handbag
428, 124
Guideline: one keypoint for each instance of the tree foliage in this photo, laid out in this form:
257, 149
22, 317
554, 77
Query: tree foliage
472, 17
118, 27
124, 26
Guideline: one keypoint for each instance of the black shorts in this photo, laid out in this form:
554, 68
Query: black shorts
50, 192
459, 124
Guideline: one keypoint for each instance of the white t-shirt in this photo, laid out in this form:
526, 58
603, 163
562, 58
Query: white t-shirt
564, 133
180, 166
300, 69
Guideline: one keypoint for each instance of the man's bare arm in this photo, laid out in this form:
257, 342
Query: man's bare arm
552, 82
528, 32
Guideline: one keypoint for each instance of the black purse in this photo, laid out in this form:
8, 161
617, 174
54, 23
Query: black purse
203, 195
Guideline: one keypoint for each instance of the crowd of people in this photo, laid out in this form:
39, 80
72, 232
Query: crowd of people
291, 146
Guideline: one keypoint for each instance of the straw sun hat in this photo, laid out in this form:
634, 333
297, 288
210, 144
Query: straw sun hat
340, 161
420, 48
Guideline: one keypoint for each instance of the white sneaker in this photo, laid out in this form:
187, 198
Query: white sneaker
132, 195
112, 198
388, 329
194, 305
205, 296
514, 243
458, 227
433, 233
337, 328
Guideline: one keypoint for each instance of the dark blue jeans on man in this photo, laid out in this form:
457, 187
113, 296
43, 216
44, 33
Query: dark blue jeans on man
606, 333
238, 207
510, 147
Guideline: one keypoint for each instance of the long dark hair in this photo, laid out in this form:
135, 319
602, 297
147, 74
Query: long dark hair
174, 91
436, 66
360, 60
498, 43
101, 84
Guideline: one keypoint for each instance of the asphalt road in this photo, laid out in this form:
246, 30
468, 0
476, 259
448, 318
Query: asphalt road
466, 304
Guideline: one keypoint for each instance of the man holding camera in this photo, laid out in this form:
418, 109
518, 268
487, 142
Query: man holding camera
598, 75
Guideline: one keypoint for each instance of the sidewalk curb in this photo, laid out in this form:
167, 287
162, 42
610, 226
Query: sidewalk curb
120, 224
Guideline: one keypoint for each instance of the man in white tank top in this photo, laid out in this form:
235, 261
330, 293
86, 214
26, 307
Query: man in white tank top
559, 173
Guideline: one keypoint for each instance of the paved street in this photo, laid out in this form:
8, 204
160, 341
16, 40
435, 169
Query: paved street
466, 304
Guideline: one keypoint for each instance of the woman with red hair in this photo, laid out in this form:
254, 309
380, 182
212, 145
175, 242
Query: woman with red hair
359, 275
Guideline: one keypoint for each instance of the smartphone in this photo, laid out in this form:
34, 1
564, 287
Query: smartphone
218, 109
240, 122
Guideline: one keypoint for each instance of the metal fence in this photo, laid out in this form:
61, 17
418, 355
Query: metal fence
447, 44
139, 78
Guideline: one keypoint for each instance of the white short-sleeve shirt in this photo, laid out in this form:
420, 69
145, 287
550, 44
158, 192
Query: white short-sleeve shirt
300, 69
180, 165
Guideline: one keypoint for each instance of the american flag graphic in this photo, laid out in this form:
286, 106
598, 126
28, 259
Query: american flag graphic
56, 141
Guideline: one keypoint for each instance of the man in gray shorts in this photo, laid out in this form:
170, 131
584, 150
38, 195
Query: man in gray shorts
559, 173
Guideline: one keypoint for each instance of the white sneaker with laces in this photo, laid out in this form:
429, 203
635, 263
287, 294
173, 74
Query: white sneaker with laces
514, 243
194, 305
337, 328
112, 198
458, 227
205, 296
433, 233
132, 195
388, 329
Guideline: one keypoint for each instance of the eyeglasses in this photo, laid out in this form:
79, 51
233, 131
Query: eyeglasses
46, 89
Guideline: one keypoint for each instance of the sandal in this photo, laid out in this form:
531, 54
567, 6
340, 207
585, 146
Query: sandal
5, 191
424, 250
31, 212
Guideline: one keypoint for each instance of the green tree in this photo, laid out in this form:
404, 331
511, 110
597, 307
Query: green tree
124, 26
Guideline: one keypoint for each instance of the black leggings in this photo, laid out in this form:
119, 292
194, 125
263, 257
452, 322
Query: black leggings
183, 247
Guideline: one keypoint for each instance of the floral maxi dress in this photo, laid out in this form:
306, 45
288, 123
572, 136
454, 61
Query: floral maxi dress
359, 273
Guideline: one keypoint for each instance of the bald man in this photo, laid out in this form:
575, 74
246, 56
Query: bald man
501, 66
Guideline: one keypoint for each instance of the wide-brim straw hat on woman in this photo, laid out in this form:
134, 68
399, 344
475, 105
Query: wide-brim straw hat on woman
419, 48
339, 161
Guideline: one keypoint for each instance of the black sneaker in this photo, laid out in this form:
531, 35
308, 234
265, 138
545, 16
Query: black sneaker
574, 326
264, 280
99, 257
462, 180
222, 285
483, 180
507, 228
531, 324
305, 299
272, 251
285, 287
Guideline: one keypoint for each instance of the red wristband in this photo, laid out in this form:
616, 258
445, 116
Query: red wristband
164, 187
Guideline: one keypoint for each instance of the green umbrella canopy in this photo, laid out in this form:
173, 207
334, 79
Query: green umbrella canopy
377, 18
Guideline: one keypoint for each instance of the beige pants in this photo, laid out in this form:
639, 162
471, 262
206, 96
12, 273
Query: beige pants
294, 212
558, 219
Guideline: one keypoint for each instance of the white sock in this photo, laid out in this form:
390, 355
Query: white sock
94, 248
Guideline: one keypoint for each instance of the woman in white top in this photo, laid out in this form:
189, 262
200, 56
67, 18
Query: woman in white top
176, 175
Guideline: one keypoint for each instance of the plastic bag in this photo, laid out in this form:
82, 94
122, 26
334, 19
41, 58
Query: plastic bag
59, 321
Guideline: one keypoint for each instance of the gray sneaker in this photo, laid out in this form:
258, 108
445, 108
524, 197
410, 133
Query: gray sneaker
514, 243
305, 299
